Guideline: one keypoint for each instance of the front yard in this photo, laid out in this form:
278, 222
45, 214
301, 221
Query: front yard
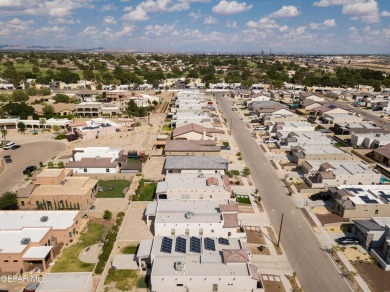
112, 188
69, 260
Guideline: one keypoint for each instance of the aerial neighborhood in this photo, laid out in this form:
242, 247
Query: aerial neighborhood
165, 172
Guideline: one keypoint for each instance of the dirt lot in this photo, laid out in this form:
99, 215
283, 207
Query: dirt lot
354, 254
153, 169
377, 279
255, 236
272, 283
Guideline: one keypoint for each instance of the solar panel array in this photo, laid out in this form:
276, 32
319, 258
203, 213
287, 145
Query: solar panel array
223, 241
385, 197
355, 190
181, 245
166, 245
195, 244
209, 244
367, 200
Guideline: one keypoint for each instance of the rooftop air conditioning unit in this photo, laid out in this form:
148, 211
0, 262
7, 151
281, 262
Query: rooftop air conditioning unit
179, 266
25, 241
44, 218
188, 215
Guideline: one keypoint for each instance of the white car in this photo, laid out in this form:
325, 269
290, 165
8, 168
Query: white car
9, 145
269, 140
260, 128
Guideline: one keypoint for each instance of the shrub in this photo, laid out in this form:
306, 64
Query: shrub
107, 215
60, 137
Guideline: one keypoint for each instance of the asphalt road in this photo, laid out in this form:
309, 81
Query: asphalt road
29, 154
314, 269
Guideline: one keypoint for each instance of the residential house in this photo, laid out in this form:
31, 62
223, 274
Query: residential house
196, 263
287, 140
67, 282
194, 218
361, 127
28, 239
94, 128
96, 160
196, 164
330, 108
370, 140
290, 127
57, 189
87, 95
324, 174
319, 152
88, 109
316, 97
337, 118
382, 154
191, 147
194, 186
60, 109
195, 132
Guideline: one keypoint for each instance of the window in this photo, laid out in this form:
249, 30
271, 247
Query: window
215, 287
15, 261
179, 285
173, 231
212, 230
70, 234
22, 203
85, 170
376, 212
107, 170
200, 231
6, 261
187, 232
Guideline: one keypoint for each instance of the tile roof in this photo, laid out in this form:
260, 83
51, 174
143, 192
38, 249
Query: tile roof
230, 220
235, 256
192, 146
233, 207
384, 151
92, 163
196, 163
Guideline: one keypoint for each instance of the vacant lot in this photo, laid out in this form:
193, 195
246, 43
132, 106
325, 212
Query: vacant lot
112, 188
377, 279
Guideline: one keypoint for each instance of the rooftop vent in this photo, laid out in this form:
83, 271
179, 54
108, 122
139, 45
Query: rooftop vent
44, 218
97, 157
25, 241
179, 265
188, 215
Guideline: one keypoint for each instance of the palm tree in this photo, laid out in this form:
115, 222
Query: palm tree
4, 133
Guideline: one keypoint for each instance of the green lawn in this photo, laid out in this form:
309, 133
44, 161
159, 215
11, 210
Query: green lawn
235, 172
146, 192
243, 199
225, 143
112, 188
69, 260
130, 249
167, 128
124, 280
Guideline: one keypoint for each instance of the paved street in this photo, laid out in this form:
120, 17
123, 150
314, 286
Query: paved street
28, 154
314, 269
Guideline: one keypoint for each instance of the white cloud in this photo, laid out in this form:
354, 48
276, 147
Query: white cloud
109, 7
158, 30
55, 8
195, 16
326, 3
90, 31
366, 12
324, 25
231, 7
136, 15
385, 13
109, 20
50, 29
93, 32
263, 23
15, 26
126, 30
55, 21
210, 20
231, 24
285, 11
283, 28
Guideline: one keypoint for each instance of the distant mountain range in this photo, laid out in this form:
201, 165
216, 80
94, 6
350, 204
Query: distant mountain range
21, 48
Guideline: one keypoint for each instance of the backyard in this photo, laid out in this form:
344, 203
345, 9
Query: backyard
145, 191
69, 260
167, 128
243, 199
112, 188
124, 280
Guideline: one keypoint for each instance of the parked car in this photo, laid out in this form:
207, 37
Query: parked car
252, 116
234, 109
269, 140
260, 128
225, 147
71, 137
320, 196
29, 169
9, 145
31, 287
16, 146
7, 158
347, 240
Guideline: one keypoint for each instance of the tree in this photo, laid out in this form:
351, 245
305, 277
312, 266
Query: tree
19, 109
42, 123
21, 127
88, 75
107, 215
19, 96
9, 201
61, 98
246, 171
4, 133
48, 111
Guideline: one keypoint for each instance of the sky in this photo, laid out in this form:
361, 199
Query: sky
209, 26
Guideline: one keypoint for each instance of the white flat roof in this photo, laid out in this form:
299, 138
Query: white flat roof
368, 194
344, 167
10, 220
10, 240
66, 282
37, 252
322, 149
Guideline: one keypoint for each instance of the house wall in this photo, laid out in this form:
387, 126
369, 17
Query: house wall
84, 201
50, 180
92, 134
367, 211
202, 283
96, 170
215, 194
380, 158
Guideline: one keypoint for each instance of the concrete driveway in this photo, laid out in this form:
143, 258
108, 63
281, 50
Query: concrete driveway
29, 154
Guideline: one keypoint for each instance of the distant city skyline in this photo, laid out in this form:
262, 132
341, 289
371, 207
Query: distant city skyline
300, 26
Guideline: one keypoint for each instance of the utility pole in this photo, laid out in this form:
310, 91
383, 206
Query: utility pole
280, 229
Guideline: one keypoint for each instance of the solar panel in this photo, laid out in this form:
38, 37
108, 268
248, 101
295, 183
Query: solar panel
166, 245
385, 197
223, 241
181, 244
209, 244
195, 244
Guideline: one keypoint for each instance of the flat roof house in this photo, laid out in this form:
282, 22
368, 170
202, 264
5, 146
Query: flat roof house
192, 186
319, 152
195, 217
350, 128
56, 189
195, 132
67, 282
370, 140
95, 128
291, 127
287, 140
28, 238
198, 263
196, 164
191, 147
337, 118
382, 154
322, 174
